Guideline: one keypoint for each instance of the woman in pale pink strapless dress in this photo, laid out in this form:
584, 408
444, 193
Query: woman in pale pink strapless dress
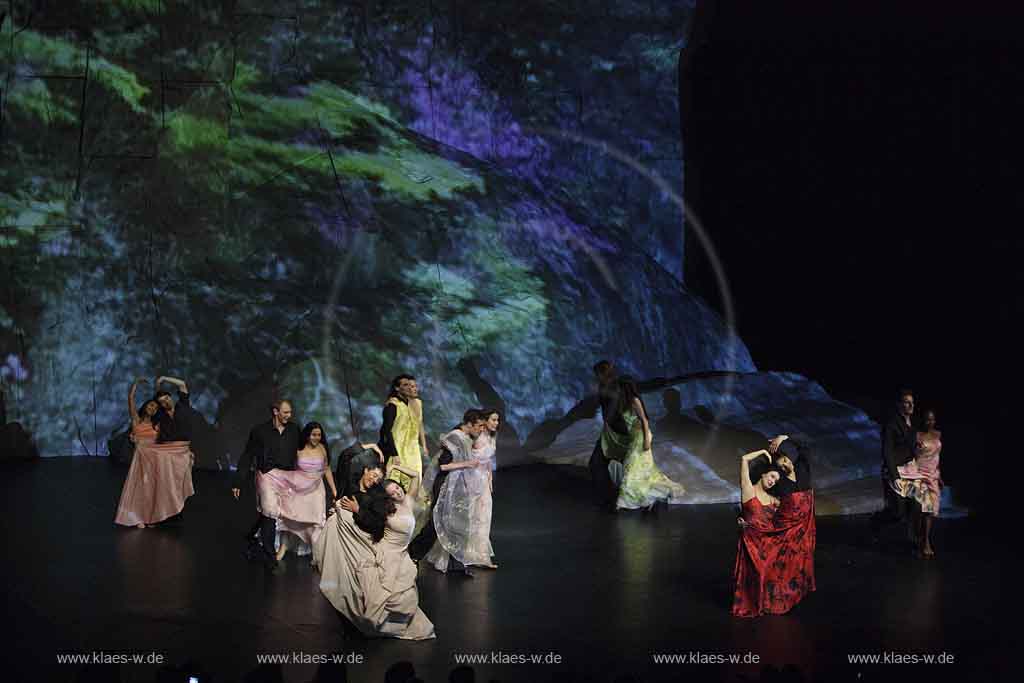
302, 511
160, 477
923, 480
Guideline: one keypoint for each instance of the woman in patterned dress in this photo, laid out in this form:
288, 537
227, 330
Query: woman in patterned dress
643, 484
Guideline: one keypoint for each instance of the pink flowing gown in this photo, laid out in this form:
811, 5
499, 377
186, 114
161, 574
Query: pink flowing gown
301, 505
921, 476
159, 480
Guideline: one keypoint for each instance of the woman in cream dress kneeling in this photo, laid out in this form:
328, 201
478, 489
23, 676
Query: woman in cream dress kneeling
365, 569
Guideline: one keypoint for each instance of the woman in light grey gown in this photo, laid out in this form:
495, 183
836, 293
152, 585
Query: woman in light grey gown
373, 584
462, 514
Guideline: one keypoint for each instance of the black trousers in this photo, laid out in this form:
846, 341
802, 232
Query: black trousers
896, 509
424, 541
261, 537
605, 490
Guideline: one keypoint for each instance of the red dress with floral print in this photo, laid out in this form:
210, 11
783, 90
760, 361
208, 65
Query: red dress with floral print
755, 554
775, 557
792, 575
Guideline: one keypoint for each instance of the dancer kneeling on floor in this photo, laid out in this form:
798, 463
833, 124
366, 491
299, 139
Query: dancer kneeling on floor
365, 569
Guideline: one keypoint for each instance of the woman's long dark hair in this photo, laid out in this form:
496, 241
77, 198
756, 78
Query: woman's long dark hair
921, 421
374, 509
142, 411
760, 466
308, 429
628, 390
486, 413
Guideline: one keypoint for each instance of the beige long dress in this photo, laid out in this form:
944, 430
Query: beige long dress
373, 584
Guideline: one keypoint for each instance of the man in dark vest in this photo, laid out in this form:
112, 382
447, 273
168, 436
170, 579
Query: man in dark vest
605, 474
898, 438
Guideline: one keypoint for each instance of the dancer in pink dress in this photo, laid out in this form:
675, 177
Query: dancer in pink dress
301, 505
160, 477
922, 480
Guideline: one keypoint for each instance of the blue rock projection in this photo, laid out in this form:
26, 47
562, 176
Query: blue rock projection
308, 200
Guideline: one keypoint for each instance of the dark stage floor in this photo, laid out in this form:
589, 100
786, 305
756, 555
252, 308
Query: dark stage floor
602, 592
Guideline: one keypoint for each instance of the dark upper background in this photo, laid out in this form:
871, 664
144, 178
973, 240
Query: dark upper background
853, 165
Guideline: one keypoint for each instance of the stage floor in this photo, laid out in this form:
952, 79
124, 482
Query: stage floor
603, 593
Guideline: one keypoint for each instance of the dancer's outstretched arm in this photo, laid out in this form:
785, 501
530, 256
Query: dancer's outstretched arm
252, 448
462, 465
329, 476
133, 412
638, 408
746, 488
773, 444
182, 387
374, 447
414, 476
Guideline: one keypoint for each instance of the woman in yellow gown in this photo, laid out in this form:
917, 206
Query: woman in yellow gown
643, 484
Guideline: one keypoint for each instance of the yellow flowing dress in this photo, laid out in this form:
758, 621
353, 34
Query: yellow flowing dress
406, 434
643, 484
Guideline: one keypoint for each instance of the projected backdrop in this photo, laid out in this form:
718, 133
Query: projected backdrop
306, 195
304, 199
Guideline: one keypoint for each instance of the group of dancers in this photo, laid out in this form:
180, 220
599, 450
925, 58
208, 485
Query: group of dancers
622, 467
380, 520
160, 478
391, 507
774, 567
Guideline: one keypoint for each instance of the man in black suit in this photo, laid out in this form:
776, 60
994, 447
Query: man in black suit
174, 420
272, 446
606, 488
898, 437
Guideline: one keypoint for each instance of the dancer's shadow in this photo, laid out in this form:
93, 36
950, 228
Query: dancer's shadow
717, 445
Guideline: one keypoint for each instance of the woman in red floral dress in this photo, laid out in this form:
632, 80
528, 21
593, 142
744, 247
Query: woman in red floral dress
793, 572
759, 544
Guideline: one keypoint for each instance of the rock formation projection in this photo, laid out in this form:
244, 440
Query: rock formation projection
347, 194
702, 425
